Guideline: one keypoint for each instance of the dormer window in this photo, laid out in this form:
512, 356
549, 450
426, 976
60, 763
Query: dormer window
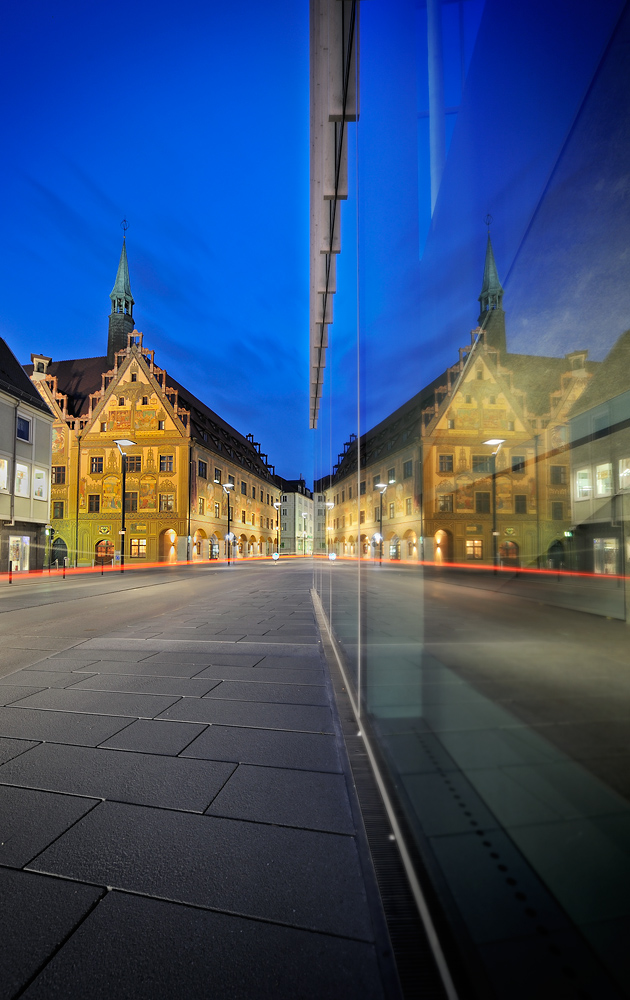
134, 376
145, 400
121, 400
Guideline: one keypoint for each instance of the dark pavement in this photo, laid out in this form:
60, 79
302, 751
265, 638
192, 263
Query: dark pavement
176, 813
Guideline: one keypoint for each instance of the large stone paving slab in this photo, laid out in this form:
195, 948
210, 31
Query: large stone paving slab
13, 748
303, 675
36, 915
98, 702
264, 691
153, 950
270, 872
59, 727
181, 687
169, 782
30, 820
44, 678
272, 748
301, 718
155, 736
311, 800
15, 692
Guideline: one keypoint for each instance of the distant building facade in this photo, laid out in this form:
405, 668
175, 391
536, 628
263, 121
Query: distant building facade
25, 459
182, 456
297, 518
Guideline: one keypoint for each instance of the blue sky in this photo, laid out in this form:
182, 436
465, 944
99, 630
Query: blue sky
192, 122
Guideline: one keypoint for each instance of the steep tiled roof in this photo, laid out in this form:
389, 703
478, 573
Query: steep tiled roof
14, 380
77, 378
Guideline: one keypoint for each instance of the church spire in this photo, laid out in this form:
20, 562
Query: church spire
492, 317
121, 321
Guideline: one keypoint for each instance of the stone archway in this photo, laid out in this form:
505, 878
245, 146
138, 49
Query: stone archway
508, 553
168, 546
104, 552
58, 552
200, 546
443, 546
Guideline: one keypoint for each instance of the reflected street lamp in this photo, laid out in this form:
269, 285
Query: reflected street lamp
304, 515
494, 442
226, 489
123, 443
329, 506
382, 487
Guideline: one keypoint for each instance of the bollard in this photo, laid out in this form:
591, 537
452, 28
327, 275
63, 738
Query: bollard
64, 569
10, 571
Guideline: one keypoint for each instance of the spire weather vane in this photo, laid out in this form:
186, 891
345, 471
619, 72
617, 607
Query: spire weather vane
488, 221
124, 225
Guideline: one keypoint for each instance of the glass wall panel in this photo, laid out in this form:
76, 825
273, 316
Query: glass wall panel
473, 471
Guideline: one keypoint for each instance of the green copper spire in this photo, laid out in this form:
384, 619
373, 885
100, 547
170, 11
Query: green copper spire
122, 286
491, 290
492, 317
121, 321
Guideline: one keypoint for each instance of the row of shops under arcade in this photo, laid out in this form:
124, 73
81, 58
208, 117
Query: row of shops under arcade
167, 547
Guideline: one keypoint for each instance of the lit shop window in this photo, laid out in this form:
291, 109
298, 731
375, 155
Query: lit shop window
138, 548
624, 474
22, 486
40, 484
603, 479
474, 548
583, 484
4, 474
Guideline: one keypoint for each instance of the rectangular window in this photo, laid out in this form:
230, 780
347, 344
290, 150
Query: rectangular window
217, 510
145, 400
474, 548
121, 400
445, 463
166, 463
444, 503
377, 513
343, 496
253, 519
408, 506
160, 425
510, 425
94, 503
58, 475
583, 486
450, 425
557, 510
134, 463
253, 492
267, 499
624, 473
284, 511
362, 517
138, 548
482, 503
131, 502
96, 465
231, 480
202, 470
217, 475
349, 493
408, 469
167, 502
518, 463
103, 426
243, 517
58, 508
482, 463
22, 481
202, 505
392, 510
391, 475
603, 479
244, 488
558, 475
520, 503
23, 429
40, 484
362, 488
4, 474
375, 481
134, 376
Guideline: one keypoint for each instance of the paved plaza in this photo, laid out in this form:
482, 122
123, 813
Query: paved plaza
177, 816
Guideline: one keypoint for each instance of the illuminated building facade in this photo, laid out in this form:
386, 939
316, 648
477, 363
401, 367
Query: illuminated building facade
181, 456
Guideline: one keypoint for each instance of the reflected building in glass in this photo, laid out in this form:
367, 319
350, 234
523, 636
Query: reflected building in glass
473, 485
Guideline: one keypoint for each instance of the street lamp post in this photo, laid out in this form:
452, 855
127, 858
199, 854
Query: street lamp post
277, 506
494, 442
226, 489
304, 515
382, 487
123, 443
